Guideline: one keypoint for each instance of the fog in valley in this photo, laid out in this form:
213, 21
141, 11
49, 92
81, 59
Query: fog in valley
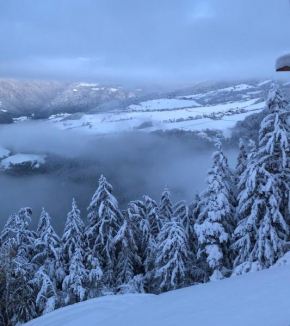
136, 164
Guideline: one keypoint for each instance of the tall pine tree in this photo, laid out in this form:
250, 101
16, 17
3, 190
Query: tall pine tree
173, 258
73, 235
217, 218
261, 236
165, 206
153, 216
105, 220
242, 162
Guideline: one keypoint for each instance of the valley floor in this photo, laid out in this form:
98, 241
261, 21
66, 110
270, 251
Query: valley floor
254, 299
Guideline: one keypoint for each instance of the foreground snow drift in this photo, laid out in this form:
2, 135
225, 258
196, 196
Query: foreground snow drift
260, 298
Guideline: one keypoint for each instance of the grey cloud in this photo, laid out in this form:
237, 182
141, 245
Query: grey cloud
142, 40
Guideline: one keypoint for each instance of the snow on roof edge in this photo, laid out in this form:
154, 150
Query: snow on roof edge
283, 61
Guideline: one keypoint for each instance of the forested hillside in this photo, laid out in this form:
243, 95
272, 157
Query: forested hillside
239, 223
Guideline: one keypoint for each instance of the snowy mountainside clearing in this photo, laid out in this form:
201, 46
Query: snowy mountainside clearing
34, 160
221, 117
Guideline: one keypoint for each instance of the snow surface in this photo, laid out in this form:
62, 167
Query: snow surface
4, 152
121, 121
237, 88
163, 104
23, 158
264, 83
87, 85
20, 119
254, 299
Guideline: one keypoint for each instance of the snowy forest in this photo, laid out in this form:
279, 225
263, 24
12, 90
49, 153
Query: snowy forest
240, 223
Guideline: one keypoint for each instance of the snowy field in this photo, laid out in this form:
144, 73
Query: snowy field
238, 88
217, 109
221, 117
163, 104
34, 160
253, 299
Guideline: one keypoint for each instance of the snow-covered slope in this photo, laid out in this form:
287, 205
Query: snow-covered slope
188, 116
163, 104
4, 152
34, 160
254, 299
43, 98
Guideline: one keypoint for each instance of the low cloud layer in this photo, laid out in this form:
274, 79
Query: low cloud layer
136, 164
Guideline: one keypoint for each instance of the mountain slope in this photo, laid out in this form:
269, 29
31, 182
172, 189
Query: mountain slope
260, 298
43, 98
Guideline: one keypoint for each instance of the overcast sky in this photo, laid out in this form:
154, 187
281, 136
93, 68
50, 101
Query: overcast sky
145, 40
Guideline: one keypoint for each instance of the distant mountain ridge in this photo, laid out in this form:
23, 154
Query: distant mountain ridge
43, 98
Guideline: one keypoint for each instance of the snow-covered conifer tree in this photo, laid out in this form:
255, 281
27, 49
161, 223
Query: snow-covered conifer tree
46, 299
173, 258
165, 206
47, 247
149, 263
181, 213
245, 234
275, 99
155, 221
21, 294
242, 162
261, 236
9, 228
105, 220
74, 284
274, 145
73, 235
18, 248
95, 276
137, 214
128, 261
195, 208
48, 241
217, 218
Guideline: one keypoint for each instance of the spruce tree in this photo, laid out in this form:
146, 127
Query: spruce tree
274, 145
73, 235
149, 263
165, 206
153, 216
173, 258
20, 293
48, 249
137, 214
129, 261
245, 234
242, 162
46, 300
261, 236
217, 218
48, 242
195, 208
105, 220
180, 212
95, 276
74, 284
9, 228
